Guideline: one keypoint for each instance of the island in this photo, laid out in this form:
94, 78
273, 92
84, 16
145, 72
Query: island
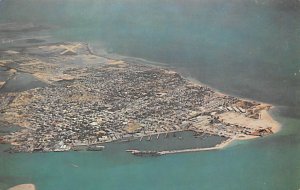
84, 100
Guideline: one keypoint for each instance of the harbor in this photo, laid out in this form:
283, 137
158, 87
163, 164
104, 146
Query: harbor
177, 142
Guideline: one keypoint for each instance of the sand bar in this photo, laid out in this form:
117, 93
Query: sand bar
23, 187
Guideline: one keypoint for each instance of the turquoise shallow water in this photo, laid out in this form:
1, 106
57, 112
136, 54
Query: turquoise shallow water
246, 48
270, 163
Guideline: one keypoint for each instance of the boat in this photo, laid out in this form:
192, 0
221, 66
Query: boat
95, 148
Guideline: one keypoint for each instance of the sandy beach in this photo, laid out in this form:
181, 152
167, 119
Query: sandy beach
266, 116
23, 187
265, 119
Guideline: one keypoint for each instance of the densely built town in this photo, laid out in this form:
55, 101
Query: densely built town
105, 100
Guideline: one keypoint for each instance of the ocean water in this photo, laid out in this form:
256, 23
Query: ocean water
248, 48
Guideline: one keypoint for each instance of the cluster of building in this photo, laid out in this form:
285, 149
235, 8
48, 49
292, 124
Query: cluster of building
92, 100
115, 102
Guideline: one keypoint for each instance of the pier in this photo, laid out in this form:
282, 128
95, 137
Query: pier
165, 152
166, 135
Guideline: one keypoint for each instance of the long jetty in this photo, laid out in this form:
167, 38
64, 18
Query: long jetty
217, 147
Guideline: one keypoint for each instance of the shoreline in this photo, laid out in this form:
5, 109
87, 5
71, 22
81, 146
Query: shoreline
266, 116
23, 187
276, 127
215, 112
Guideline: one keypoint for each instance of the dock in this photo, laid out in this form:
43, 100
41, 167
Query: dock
149, 138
